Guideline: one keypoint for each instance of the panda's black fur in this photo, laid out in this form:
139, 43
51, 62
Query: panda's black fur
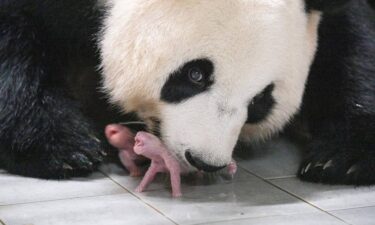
339, 102
43, 132
49, 97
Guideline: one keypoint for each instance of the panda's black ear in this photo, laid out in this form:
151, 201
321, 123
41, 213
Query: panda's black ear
326, 5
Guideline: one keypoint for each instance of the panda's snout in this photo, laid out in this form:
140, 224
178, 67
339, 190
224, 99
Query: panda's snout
200, 165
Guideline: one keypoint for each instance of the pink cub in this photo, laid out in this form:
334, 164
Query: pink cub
147, 145
151, 147
122, 138
144, 144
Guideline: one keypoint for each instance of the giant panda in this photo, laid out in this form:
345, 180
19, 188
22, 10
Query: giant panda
200, 74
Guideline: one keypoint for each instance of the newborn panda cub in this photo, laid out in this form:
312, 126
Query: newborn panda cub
132, 149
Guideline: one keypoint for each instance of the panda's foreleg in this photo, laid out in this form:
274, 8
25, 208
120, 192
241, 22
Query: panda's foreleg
42, 132
341, 153
341, 119
339, 101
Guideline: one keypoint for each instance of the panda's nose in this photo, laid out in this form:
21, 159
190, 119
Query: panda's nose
200, 165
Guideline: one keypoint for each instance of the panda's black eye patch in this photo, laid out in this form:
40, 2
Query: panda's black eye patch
191, 79
261, 105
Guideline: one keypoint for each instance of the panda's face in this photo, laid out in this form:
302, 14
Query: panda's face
196, 71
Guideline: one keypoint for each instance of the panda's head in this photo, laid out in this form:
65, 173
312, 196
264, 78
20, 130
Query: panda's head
197, 70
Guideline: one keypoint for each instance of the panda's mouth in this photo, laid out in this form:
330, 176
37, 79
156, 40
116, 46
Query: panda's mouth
187, 160
200, 164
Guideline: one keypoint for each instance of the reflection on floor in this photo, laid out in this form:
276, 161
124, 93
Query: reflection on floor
264, 191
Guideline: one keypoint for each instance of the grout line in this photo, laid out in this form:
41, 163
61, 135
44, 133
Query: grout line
233, 220
352, 208
256, 217
280, 177
251, 218
139, 198
295, 196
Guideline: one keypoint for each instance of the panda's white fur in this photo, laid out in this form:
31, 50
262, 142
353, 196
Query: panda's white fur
252, 43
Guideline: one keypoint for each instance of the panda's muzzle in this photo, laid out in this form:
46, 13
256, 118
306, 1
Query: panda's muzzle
200, 165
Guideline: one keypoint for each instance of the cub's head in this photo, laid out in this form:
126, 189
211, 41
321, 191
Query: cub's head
197, 71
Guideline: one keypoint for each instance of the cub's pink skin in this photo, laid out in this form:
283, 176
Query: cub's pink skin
232, 168
151, 147
122, 138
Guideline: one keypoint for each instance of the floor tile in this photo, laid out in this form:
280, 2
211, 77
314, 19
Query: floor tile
121, 176
329, 197
359, 216
300, 219
106, 210
200, 204
211, 199
274, 159
16, 189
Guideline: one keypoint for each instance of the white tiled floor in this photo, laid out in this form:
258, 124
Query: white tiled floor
264, 192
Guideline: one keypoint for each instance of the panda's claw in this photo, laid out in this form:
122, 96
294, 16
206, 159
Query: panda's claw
66, 166
103, 153
307, 168
352, 170
328, 164
81, 159
339, 168
92, 136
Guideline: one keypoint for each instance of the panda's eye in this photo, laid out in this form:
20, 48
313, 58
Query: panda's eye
191, 79
196, 75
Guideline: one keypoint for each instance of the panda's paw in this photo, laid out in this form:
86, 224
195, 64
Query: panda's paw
59, 159
76, 158
338, 168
